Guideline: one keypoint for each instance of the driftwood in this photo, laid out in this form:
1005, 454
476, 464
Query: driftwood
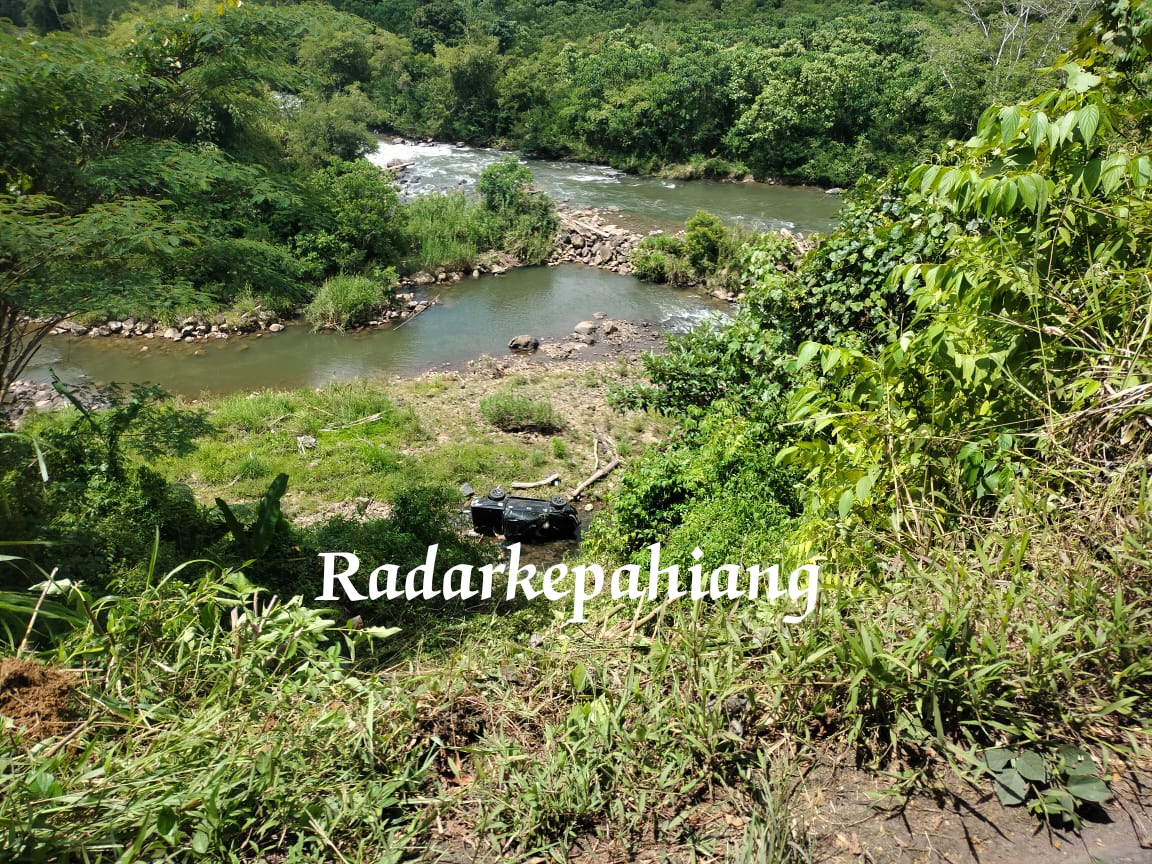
598, 473
584, 226
551, 480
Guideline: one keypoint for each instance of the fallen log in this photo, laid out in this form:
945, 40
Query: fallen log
599, 473
551, 480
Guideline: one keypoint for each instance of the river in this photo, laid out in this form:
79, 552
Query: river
644, 202
472, 317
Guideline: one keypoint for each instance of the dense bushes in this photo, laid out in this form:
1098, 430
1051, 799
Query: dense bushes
453, 230
940, 406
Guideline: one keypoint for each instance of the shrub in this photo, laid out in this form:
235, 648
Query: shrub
513, 413
660, 258
706, 240
504, 185
345, 301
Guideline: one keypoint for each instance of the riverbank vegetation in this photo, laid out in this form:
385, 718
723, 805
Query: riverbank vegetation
187, 161
944, 405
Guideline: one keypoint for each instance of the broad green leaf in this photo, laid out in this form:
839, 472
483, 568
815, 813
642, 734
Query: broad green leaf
1009, 124
807, 351
997, 759
1088, 122
845, 504
1031, 766
1088, 788
1077, 80
1011, 788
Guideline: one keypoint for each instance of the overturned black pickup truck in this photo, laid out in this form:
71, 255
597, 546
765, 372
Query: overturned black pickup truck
531, 520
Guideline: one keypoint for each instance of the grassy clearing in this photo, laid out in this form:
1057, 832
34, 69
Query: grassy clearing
373, 439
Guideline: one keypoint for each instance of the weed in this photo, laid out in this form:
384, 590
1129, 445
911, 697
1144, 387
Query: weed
514, 413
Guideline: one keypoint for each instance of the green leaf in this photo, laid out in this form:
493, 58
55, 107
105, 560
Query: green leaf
807, 351
1011, 788
997, 759
1077, 80
1088, 788
200, 843
380, 632
1037, 129
166, 823
579, 678
845, 505
1076, 760
1009, 124
1088, 123
1031, 766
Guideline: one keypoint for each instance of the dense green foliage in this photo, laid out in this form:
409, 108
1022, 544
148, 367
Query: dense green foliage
191, 160
945, 406
514, 413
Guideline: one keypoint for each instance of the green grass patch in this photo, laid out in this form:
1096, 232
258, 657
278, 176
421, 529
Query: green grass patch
510, 412
348, 301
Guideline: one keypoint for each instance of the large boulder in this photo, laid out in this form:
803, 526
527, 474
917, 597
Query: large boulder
585, 327
524, 342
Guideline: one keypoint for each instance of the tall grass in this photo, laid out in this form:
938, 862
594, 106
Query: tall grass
448, 231
347, 301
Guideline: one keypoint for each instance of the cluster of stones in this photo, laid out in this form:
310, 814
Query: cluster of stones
22, 396
597, 330
585, 238
496, 263
408, 304
192, 329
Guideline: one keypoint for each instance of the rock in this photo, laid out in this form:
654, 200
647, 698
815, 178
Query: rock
524, 342
604, 255
835, 190
588, 340
600, 316
275, 328
576, 240
466, 490
305, 442
172, 333
116, 326
609, 327
585, 327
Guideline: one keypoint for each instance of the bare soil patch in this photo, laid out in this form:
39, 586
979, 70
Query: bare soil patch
850, 819
40, 700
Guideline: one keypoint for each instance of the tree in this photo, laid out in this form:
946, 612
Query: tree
53, 263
